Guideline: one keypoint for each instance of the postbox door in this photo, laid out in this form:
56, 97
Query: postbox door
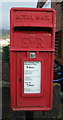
37, 91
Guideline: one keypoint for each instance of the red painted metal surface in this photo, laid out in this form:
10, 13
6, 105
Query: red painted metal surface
31, 30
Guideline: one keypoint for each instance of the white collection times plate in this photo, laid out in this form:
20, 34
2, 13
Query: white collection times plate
32, 77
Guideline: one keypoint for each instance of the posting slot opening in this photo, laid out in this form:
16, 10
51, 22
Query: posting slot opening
16, 29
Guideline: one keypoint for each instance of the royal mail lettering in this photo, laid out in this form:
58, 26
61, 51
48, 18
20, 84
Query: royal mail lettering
31, 18
24, 17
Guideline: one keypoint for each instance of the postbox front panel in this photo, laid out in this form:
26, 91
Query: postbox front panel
32, 58
32, 81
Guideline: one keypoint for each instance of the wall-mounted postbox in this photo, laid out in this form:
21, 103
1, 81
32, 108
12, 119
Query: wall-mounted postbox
32, 58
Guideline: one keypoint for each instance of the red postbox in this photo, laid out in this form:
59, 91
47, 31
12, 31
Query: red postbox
32, 58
